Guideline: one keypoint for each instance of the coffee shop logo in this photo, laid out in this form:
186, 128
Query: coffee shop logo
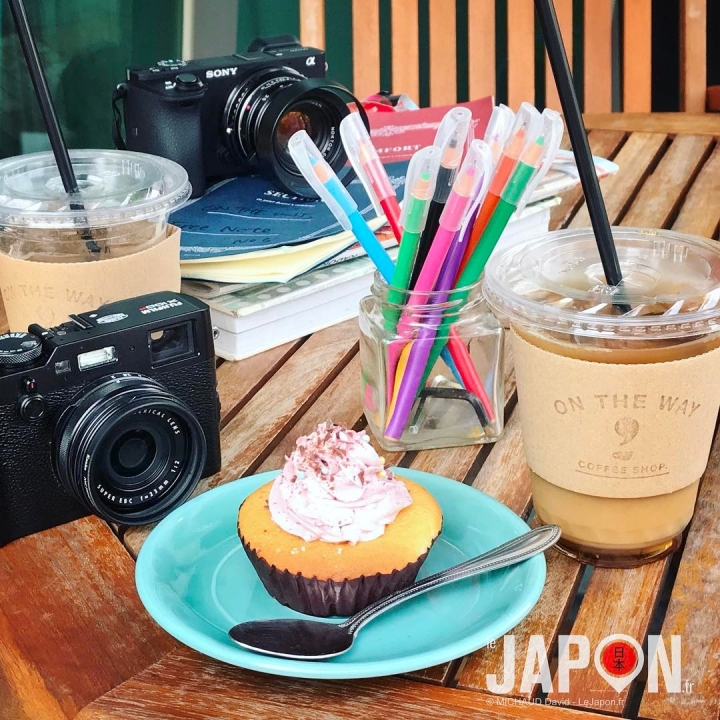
618, 659
627, 428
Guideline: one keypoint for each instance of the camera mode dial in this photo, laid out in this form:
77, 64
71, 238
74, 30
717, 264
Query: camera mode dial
19, 348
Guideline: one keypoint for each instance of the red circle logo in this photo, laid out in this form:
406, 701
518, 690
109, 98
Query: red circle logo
619, 658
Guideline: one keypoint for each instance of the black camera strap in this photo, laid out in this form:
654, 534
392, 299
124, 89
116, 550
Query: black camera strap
119, 93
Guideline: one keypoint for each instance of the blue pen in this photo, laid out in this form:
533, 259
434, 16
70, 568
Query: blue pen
333, 193
327, 185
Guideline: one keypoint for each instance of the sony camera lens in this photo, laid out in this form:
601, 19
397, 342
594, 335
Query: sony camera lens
129, 450
263, 112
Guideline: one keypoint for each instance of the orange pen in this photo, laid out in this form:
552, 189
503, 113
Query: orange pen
527, 125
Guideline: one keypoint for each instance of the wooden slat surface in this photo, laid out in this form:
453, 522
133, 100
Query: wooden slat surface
693, 54
405, 50
366, 47
443, 63
71, 624
188, 686
665, 189
312, 23
481, 49
521, 52
637, 55
692, 613
597, 31
669, 123
603, 143
699, 213
564, 10
634, 159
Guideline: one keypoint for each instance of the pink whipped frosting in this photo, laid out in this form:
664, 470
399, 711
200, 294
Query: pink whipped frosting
334, 488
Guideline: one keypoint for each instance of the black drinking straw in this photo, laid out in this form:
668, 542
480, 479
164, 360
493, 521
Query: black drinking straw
47, 109
578, 138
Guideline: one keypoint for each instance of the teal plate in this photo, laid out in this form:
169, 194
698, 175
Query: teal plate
196, 582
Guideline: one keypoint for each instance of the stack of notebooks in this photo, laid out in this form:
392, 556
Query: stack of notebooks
274, 268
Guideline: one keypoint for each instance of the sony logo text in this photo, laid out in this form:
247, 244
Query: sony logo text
222, 72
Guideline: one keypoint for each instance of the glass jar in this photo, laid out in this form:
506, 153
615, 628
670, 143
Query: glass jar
459, 400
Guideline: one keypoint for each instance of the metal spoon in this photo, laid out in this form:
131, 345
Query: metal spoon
314, 640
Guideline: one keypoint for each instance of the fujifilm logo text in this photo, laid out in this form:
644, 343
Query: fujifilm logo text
224, 72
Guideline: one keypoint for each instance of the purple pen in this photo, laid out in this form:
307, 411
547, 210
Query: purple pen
425, 338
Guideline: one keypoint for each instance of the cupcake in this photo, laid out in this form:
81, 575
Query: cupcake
336, 531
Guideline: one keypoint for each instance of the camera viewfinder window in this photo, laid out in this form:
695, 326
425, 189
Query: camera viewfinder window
170, 344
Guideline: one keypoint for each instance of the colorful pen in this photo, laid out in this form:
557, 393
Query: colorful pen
327, 185
527, 127
420, 183
451, 138
518, 191
464, 189
408, 384
368, 167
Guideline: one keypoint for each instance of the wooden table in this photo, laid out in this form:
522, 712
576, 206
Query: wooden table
75, 639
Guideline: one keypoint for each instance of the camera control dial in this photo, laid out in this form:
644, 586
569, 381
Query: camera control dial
19, 348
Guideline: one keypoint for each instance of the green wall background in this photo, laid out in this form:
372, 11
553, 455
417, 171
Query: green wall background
85, 46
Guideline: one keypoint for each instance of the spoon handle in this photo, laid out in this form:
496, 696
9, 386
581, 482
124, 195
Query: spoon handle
510, 553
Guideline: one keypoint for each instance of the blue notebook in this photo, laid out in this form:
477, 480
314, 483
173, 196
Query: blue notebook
246, 214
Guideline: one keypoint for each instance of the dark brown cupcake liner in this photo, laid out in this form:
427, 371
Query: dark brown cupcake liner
325, 598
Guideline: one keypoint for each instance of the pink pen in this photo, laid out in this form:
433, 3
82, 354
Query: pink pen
463, 191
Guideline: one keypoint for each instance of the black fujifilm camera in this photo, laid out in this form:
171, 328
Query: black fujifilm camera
115, 413
234, 115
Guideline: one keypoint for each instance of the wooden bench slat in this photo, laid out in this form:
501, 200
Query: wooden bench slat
597, 32
664, 190
238, 381
692, 612
186, 685
443, 63
671, 123
71, 623
616, 601
250, 436
312, 23
521, 52
693, 54
603, 143
481, 49
366, 47
637, 55
405, 49
564, 11
634, 159
700, 213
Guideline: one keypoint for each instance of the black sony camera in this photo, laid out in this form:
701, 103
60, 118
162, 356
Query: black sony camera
115, 412
234, 115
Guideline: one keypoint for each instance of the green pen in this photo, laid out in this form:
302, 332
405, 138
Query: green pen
419, 187
533, 164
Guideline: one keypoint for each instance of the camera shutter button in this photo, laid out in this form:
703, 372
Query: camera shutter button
187, 81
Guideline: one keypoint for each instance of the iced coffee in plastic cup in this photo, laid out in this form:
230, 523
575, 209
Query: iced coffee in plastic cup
618, 388
60, 254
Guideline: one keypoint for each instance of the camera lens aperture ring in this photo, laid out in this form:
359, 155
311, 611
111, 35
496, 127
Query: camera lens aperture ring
243, 104
263, 111
129, 450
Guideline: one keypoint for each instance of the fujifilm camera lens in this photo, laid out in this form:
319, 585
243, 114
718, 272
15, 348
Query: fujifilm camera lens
128, 449
263, 112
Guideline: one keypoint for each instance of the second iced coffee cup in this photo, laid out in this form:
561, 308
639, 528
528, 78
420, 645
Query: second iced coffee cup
617, 387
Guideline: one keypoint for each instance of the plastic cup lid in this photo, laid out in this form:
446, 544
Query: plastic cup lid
555, 282
116, 187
